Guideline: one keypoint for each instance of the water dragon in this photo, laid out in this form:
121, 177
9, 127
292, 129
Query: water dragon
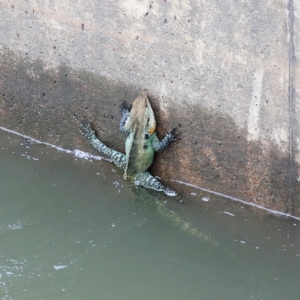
141, 144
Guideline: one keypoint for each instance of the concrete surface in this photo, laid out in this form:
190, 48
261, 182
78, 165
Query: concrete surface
225, 72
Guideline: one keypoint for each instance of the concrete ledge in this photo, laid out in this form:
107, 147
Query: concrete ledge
224, 72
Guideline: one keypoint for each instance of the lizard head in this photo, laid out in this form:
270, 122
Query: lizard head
142, 115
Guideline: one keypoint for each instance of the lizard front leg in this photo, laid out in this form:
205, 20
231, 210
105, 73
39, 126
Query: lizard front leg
125, 110
119, 159
146, 180
171, 136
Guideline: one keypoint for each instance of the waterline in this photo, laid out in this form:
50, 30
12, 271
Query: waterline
86, 155
237, 200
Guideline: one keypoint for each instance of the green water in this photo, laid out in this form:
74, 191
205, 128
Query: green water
73, 229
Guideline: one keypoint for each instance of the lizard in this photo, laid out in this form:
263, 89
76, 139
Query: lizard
141, 144
138, 121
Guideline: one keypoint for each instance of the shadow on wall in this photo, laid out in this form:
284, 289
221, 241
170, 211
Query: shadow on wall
212, 151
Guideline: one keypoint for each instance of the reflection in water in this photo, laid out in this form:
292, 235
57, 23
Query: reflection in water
73, 229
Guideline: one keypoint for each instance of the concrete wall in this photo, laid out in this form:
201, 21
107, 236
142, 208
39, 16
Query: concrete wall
225, 72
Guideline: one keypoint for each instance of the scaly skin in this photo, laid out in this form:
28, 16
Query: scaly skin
118, 158
141, 144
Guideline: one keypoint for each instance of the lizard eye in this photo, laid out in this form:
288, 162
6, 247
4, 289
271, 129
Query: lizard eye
146, 136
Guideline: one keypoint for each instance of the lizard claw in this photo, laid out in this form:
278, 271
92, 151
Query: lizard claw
123, 105
173, 136
85, 128
169, 137
124, 108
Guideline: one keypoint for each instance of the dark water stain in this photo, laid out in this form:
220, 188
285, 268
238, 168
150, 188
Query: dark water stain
212, 152
215, 154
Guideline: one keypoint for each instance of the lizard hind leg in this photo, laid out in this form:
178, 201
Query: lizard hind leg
146, 180
118, 158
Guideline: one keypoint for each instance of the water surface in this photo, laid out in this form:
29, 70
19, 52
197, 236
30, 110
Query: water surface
73, 229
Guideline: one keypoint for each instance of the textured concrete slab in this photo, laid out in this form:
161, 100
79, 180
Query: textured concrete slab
218, 70
294, 100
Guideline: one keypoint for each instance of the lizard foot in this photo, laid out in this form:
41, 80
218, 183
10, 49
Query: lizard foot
125, 108
169, 137
169, 192
146, 180
172, 135
86, 129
